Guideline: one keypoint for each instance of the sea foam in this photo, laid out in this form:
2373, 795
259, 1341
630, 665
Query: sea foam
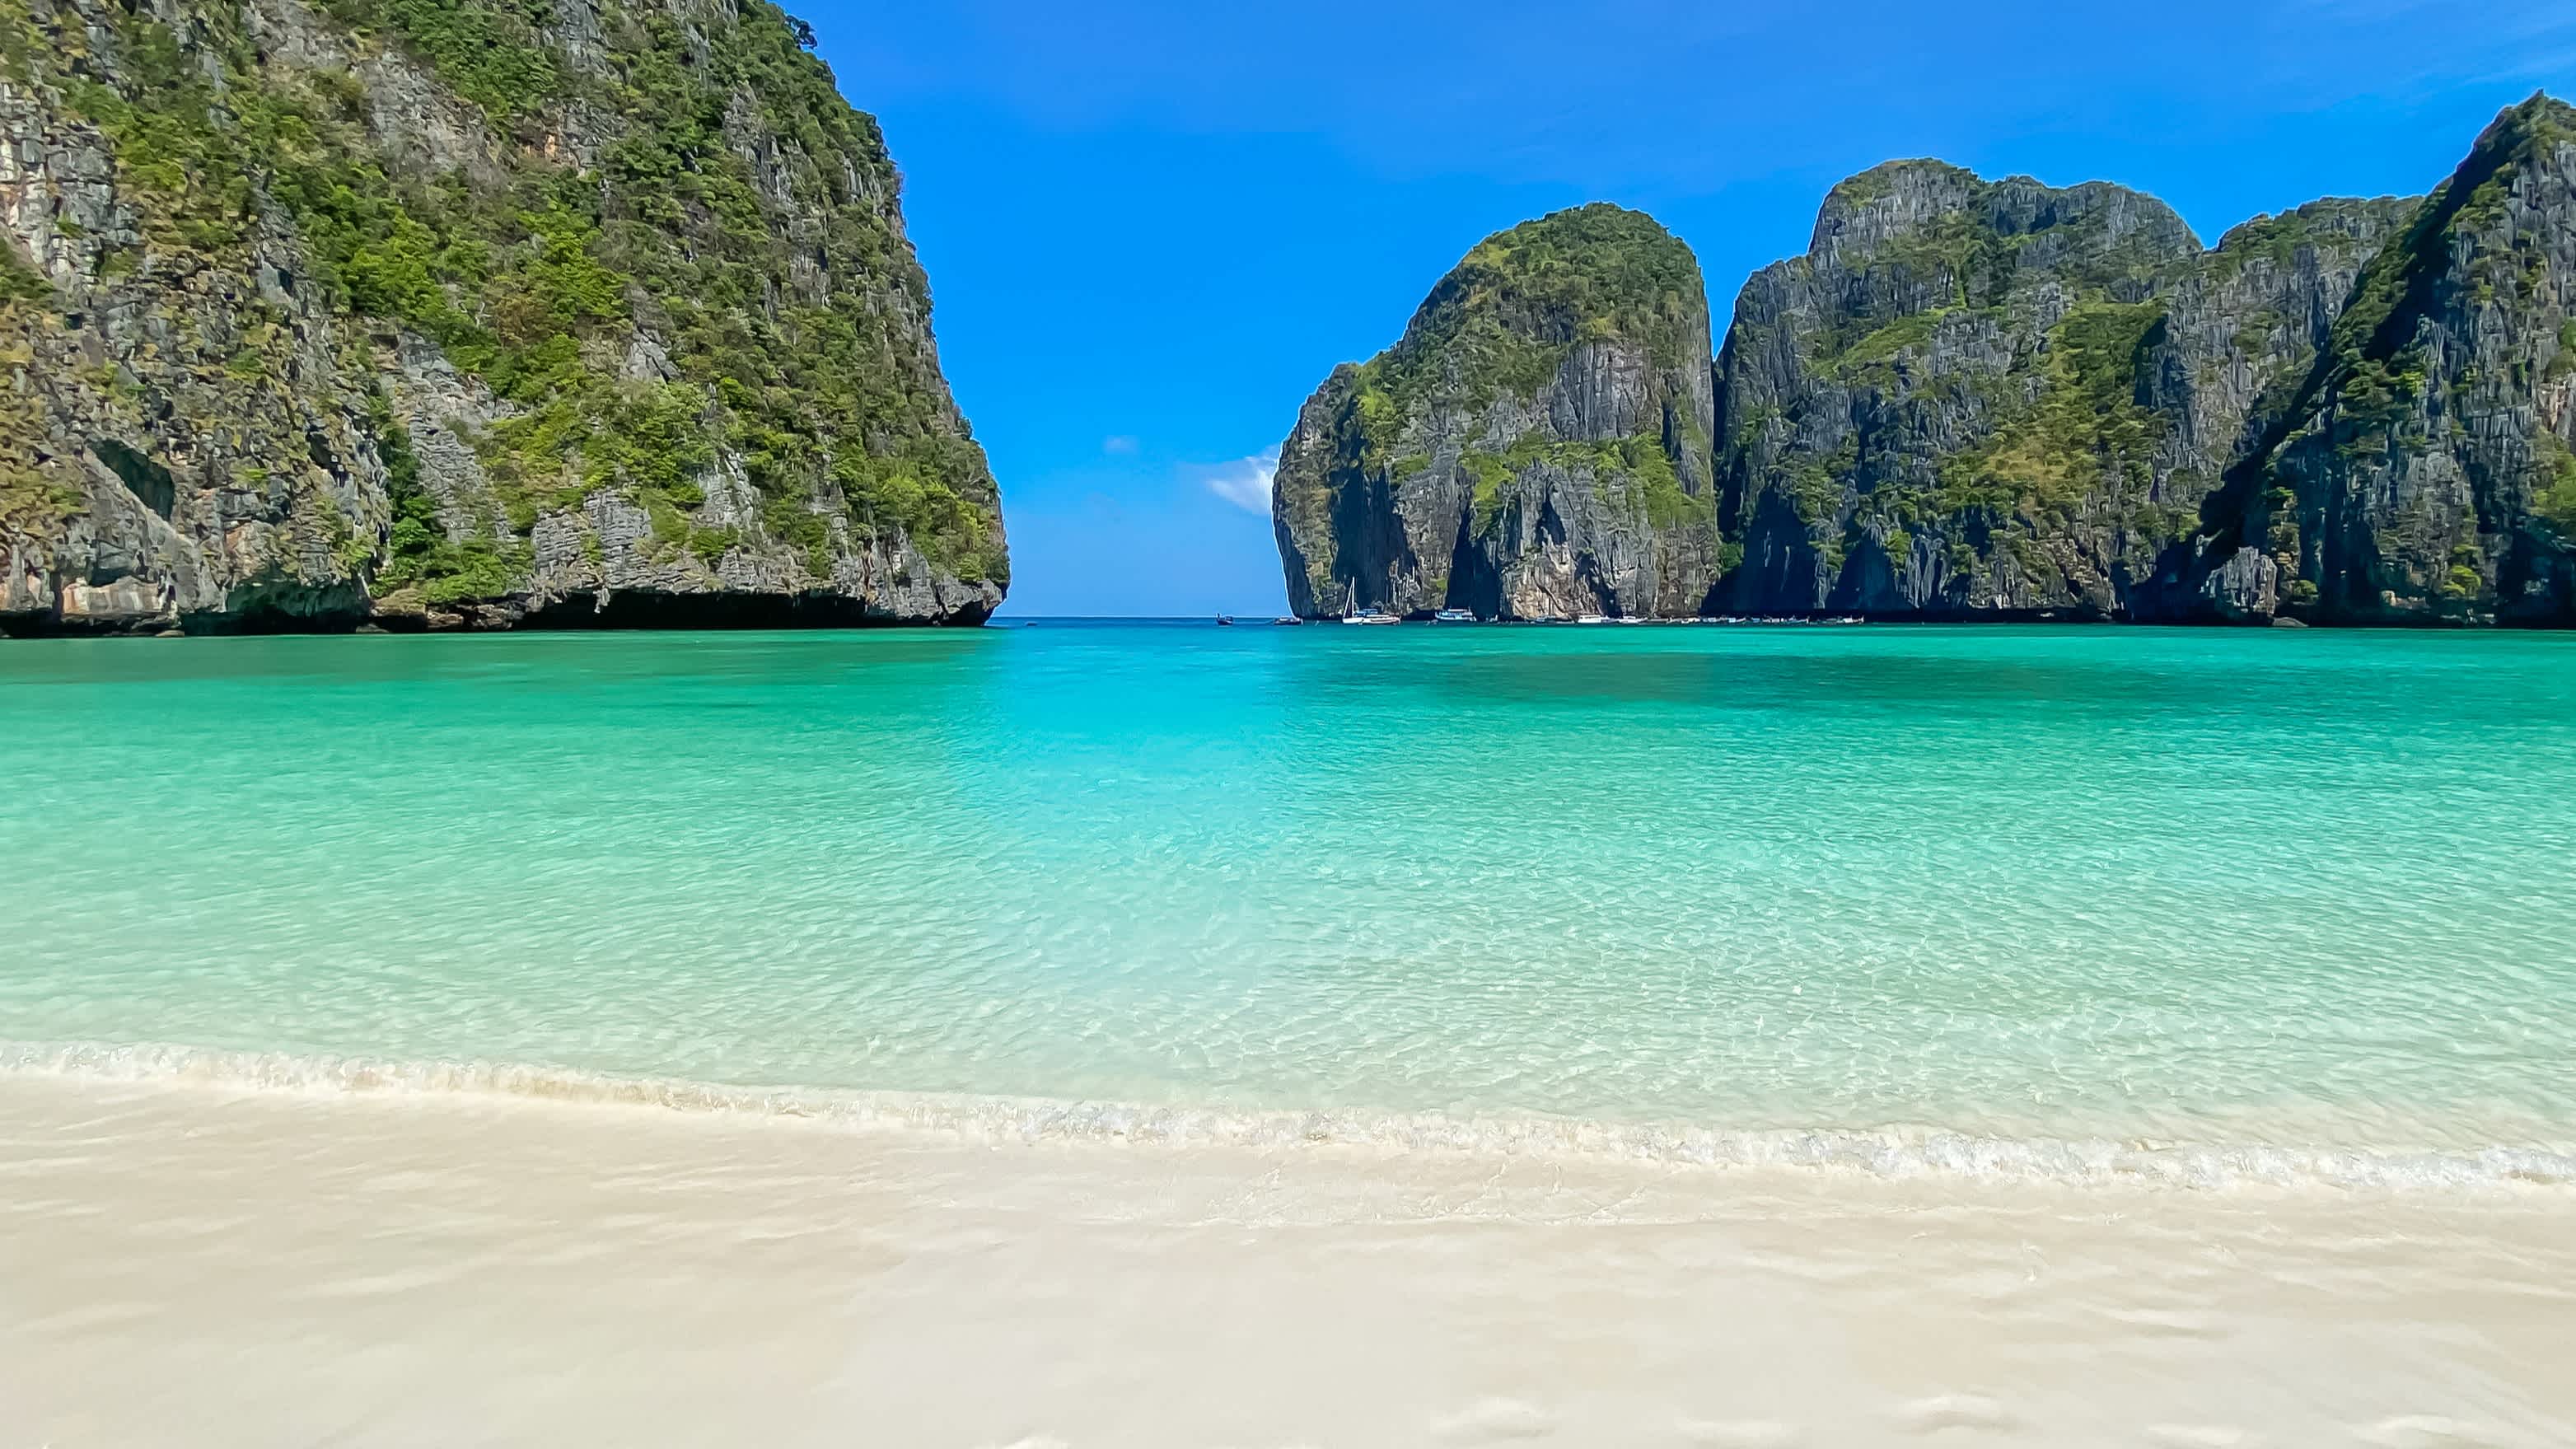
1885, 1152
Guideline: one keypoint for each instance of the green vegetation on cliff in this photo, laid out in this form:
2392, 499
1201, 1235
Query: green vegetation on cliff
1535, 444
2375, 362
2555, 492
2085, 430
1988, 399
1929, 386
2455, 327
19, 283
2278, 239
1504, 319
28, 499
700, 184
419, 552
1636, 469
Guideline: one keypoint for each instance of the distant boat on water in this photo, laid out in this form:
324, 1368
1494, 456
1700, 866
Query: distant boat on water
1455, 616
1592, 618
1353, 614
1288, 620
1225, 621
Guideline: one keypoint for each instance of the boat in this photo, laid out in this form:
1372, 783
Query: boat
1353, 614
1289, 620
1592, 618
1455, 616
1225, 621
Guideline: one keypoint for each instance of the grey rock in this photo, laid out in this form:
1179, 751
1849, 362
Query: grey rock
2001, 399
1976, 399
2424, 469
204, 432
1535, 446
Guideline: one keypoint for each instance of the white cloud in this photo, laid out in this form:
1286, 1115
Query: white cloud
1245, 482
1120, 445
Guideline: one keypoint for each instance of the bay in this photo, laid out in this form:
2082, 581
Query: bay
2306, 891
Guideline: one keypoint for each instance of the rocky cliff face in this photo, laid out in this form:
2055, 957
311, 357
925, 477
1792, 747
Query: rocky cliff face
1983, 399
1914, 407
446, 313
2422, 471
1537, 444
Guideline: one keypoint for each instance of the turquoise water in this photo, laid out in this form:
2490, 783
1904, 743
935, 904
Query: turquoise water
2302, 890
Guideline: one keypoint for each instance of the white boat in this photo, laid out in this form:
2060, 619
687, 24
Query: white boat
1455, 616
1592, 618
1353, 614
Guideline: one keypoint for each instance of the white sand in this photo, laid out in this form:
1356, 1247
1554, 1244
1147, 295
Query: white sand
191, 1265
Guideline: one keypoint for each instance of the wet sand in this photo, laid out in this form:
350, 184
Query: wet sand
206, 1265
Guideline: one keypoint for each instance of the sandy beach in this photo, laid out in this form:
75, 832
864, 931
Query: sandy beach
572, 880
207, 1265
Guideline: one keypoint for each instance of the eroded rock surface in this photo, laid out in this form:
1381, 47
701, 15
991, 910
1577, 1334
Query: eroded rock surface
2423, 472
1536, 446
1976, 399
466, 314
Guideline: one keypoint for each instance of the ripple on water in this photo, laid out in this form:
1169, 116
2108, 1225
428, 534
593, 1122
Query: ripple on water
2037, 888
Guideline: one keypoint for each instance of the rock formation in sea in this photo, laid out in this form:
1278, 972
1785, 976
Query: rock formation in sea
1537, 443
1977, 398
1983, 399
2421, 471
462, 313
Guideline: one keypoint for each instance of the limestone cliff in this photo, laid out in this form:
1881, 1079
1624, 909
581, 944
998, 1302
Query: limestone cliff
1976, 399
444, 313
2423, 471
2002, 399
1537, 443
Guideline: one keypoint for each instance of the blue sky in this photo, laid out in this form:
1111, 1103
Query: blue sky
1151, 228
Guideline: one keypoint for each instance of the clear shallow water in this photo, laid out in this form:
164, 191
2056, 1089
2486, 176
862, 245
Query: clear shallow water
2304, 890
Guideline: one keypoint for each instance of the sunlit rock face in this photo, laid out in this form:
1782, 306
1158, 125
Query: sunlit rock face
477, 314
1537, 444
1976, 399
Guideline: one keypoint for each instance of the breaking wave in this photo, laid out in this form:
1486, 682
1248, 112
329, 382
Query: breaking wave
1891, 1152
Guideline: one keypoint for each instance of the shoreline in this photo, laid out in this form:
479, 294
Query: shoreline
28, 628
210, 1267
1894, 1152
